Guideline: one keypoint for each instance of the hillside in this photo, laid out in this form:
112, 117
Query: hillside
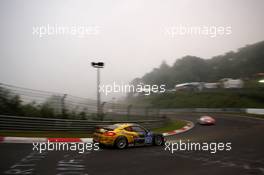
243, 63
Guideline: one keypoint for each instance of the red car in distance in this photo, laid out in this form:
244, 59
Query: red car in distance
206, 120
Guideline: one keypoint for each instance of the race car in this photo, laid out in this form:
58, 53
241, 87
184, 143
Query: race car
122, 135
206, 120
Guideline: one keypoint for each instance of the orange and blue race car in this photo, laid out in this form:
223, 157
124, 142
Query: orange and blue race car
122, 135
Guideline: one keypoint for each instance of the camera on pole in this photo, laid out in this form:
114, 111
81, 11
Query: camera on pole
98, 64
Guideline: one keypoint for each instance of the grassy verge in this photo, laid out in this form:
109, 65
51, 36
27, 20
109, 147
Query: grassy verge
220, 113
225, 98
170, 126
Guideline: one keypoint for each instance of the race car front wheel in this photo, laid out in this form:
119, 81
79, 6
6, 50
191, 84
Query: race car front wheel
158, 140
121, 143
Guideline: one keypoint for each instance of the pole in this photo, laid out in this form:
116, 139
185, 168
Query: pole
63, 108
98, 65
98, 94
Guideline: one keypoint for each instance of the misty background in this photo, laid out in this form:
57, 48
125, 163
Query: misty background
131, 39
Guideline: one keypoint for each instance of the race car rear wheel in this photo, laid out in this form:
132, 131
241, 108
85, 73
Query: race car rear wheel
101, 145
158, 140
121, 143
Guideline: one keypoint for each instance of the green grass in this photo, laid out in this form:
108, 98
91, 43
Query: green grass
224, 98
170, 126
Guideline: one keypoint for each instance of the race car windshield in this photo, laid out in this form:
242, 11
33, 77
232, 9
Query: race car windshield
111, 127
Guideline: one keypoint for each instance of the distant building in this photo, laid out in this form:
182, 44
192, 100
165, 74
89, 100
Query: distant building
170, 90
211, 85
229, 83
260, 74
193, 86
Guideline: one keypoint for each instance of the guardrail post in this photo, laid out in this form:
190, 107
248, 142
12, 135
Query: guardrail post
63, 107
146, 111
158, 112
128, 111
102, 111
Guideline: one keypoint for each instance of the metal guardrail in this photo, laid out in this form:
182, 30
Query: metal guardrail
255, 111
51, 124
202, 110
65, 105
48, 124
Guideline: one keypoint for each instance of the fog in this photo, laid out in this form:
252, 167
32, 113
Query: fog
130, 38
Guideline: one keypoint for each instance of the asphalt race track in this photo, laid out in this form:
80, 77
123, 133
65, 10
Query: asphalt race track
245, 158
